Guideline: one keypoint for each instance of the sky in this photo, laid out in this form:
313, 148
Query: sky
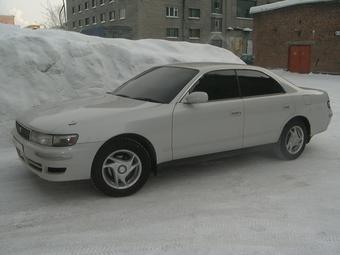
26, 12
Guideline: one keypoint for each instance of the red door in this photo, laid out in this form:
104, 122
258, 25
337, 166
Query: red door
299, 58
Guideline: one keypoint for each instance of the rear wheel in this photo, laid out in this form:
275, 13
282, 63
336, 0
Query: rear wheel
121, 167
292, 141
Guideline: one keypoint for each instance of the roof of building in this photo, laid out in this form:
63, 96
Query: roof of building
282, 4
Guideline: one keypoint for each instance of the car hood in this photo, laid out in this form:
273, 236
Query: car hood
58, 117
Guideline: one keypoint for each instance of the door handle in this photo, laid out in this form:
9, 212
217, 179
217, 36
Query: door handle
286, 107
236, 113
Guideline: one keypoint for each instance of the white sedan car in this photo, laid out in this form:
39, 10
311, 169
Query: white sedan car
167, 113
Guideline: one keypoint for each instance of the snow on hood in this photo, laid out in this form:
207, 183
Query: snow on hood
44, 66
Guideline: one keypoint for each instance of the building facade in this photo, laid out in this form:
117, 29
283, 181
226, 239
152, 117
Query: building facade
224, 23
301, 38
7, 19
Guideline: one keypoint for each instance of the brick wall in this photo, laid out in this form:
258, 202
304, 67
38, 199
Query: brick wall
7, 19
313, 24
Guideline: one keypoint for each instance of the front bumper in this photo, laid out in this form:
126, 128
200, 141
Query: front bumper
56, 163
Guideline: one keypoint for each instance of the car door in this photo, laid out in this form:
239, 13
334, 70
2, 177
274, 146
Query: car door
266, 107
213, 126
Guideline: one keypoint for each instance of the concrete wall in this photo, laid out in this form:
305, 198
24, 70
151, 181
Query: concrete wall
123, 28
147, 19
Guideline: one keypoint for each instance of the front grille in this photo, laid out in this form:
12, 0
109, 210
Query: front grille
56, 170
22, 131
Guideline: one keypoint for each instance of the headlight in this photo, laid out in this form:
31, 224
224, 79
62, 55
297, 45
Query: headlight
53, 140
64, 140
41, 139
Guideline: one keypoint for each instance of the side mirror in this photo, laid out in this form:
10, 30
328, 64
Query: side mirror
196, 98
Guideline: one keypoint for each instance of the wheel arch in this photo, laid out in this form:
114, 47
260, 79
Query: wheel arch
304, 120
140, 139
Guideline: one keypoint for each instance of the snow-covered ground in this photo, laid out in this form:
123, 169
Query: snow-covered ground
250, 203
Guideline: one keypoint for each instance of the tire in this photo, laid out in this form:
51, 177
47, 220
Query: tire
121, 167
291, 149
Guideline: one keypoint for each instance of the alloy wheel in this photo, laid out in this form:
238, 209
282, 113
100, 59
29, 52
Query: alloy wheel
122, 169
294, 140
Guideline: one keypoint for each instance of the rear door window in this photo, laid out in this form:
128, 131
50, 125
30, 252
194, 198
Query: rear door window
255, 83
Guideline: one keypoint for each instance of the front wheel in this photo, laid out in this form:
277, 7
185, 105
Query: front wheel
292, 141
121, 167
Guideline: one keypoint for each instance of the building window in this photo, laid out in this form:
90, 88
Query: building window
217, 42
112, 15
73, 10
94, 20
172, 32
122, 13
87, 21
74, 24
243, 8
94, 3
194, 33
102, 18
194, 13
101, 2
86, 5
80, 23
79, 8
216, 6
216, 24
172, 12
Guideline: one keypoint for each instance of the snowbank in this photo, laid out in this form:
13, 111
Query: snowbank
282, 4
46, 65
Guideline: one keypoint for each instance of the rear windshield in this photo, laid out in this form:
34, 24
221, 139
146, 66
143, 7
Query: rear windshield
160, 85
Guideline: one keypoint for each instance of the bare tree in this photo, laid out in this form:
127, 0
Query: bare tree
55, 15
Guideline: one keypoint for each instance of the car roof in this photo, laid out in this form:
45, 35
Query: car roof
208, 66
212, 66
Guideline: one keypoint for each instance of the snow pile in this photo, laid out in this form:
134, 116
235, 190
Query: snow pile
46, 65
282, 4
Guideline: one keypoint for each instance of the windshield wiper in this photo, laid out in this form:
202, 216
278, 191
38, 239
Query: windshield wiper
137, 98
147, 99
120, 95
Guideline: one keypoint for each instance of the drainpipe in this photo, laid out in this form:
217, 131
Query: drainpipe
183, 19
65, 12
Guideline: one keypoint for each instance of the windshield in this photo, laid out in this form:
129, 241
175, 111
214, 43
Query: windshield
160, 85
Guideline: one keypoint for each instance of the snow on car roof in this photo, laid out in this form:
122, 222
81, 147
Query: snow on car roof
282, 4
